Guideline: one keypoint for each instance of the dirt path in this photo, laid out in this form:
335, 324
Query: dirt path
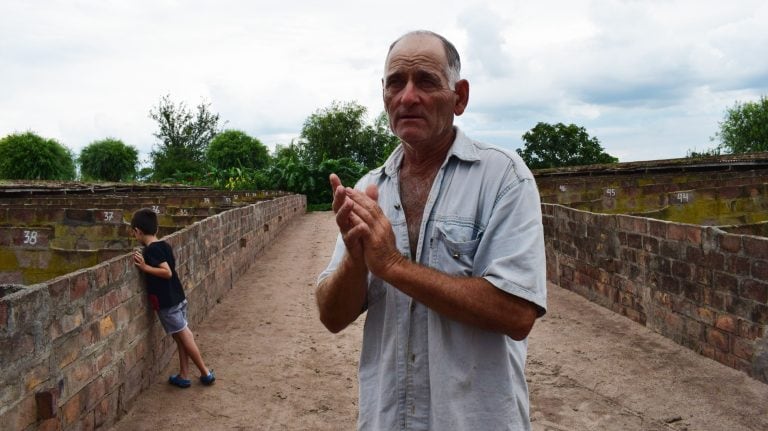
279, 369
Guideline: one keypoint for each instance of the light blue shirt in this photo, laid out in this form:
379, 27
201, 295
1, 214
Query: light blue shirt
420, 370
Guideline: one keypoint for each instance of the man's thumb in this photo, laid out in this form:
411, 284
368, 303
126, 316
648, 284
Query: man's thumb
372, 192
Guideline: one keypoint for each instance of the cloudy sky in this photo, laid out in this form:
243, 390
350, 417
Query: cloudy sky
650, 79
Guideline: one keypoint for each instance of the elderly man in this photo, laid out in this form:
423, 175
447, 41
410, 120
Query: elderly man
443, 248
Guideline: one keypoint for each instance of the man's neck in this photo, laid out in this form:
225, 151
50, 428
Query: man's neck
424, 160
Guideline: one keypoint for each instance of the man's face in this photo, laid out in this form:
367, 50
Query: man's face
417, 96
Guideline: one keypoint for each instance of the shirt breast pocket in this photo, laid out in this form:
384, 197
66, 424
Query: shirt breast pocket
453, 252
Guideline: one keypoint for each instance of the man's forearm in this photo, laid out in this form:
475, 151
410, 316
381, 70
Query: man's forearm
342, 295
470, 300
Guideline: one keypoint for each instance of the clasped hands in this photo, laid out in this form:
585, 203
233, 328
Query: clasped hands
366, 231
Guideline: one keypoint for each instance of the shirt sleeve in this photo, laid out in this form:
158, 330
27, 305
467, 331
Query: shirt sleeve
154, 256
512, 247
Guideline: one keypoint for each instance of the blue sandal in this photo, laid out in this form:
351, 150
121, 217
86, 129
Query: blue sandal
178, 381
209, 379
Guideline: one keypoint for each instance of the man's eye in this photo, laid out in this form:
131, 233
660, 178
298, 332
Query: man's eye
394, 84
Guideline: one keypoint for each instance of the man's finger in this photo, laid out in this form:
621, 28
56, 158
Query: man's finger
335, 181
338, 192
373, 192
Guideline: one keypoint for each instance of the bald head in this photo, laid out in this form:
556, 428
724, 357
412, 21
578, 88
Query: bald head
453, 62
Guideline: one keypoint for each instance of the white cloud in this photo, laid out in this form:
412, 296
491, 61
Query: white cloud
650, 79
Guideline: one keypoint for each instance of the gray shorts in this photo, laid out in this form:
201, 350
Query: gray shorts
174, 319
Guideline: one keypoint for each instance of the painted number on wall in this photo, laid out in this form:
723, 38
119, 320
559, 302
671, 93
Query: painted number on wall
30, 237
109, 215
206, 200
228, 200
683, 197
611, 193
156, 209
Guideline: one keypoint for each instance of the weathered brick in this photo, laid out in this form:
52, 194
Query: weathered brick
737, 265
755, 290
670, 249
706, 315
106, 327
95, 308
651, 244
718, 339
687, 233
760, 270
22, 415
743, 348
694, 330
634, 240
94, 392
730, 243
79, 285
71, 410
724, 358
58, 289
101, 276
68, 322
755, 247
116, 269
658, 228
3, 315
725, 282
111, 300
104, 359
106, 410
727, 323
748, 330
681, 269
739, 306
759, 314
79, 374
35, 376
692, 291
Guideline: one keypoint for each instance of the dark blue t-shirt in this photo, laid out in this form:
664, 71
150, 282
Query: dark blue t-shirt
163, 293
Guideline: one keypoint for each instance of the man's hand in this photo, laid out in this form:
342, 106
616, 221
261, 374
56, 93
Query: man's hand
346, 218
372, 228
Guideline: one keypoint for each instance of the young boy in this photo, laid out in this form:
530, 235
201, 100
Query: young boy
167, 295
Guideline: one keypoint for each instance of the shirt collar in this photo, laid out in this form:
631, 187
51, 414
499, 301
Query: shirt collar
462, 148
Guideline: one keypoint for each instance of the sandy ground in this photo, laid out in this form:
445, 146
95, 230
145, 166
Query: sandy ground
279, 369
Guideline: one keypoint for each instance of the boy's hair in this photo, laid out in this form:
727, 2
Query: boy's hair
145, 220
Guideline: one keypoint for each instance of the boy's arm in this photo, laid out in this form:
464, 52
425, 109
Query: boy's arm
162, 271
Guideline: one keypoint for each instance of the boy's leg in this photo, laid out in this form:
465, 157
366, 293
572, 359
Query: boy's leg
186, 340
183, 357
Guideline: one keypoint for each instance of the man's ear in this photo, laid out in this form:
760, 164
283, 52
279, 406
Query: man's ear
462, 93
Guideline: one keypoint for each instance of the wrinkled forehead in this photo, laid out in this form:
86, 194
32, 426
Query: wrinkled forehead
416, 51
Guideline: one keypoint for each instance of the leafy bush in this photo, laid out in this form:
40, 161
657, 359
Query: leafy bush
745, 127
183, 138
554, 146
233, 148
108, 160
27, 156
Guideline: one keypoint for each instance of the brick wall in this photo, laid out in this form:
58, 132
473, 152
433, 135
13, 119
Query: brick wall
700, 286
75, 351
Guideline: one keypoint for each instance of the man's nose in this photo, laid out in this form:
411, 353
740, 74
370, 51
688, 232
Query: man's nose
410, 94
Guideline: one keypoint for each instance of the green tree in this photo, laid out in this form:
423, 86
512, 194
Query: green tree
233, 148
184, 137
554, 146
340, 132
745, 127
109, 160
27, 156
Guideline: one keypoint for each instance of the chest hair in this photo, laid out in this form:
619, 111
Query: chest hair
414, 191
